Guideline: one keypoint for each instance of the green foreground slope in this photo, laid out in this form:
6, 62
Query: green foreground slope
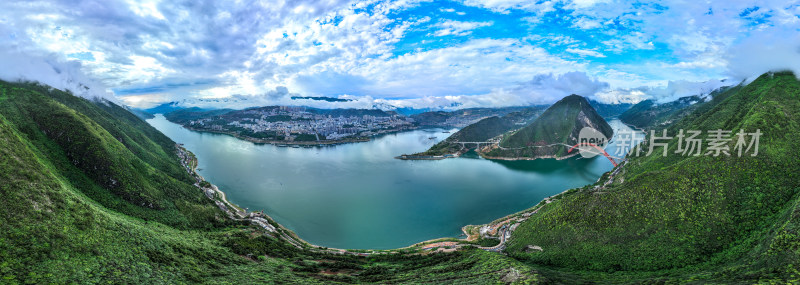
724, 218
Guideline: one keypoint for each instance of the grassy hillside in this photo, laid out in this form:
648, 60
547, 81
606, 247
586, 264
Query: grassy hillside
560, 123
724, 218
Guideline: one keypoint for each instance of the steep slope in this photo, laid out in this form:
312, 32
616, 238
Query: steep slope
66, 162
108, 153
723, 218
559, 124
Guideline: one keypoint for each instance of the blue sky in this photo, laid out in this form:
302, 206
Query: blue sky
400, 53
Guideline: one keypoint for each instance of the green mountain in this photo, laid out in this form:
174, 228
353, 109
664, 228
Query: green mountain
484, 130
546, 136
729, 219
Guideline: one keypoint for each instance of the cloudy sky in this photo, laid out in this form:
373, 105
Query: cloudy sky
404, 53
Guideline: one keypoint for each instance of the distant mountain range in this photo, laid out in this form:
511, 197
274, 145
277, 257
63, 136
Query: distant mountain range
648, 113
609, 110
321, 98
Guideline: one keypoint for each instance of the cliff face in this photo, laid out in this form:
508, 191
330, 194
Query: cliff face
559, 124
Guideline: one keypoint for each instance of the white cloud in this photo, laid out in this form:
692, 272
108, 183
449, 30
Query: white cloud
587, 24
153, 50
541, 89
503, 6
458, 28
762, 53
47, 68
663, 93
53, 71
585, 52
475, 67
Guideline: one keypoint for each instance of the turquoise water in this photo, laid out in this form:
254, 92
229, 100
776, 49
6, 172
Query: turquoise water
358, 196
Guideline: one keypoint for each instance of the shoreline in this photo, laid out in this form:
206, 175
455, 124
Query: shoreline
259, 218
276, 142
299, 143
492, 230
503, 227
527, 158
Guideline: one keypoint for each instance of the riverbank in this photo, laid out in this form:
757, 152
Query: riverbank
259, 218
502, 228
487, 149
234, 212
206, 148
301, 143
428, 157
281, 142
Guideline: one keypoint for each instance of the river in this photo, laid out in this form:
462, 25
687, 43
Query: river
357, 196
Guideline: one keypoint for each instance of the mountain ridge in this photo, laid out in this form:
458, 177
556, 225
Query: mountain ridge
547, 136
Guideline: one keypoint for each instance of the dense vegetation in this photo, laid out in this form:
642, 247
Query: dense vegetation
559, 124
724, 218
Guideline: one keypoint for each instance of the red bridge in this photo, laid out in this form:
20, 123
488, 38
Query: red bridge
596, 147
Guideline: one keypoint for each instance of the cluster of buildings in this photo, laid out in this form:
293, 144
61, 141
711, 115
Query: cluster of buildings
286, 123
